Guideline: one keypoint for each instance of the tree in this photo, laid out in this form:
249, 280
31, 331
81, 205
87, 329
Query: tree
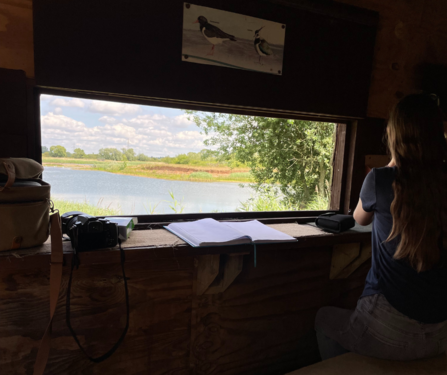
44, 149
58, 151
289, 157
78, 153
129, 153
142, 157
110, 154
91, 156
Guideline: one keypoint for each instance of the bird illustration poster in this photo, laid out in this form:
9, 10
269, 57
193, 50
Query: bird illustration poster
216, 37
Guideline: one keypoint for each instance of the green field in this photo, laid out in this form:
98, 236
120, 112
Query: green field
160, 170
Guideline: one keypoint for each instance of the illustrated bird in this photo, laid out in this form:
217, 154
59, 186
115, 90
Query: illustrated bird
261, 45
213, 34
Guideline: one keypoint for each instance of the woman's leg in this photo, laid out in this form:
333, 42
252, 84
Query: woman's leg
328, 321
376, 329
328, 348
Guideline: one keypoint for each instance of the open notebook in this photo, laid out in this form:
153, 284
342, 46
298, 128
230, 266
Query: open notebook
209, 232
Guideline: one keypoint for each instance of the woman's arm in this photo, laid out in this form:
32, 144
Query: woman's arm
361, 216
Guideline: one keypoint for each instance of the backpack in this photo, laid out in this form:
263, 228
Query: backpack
25, 221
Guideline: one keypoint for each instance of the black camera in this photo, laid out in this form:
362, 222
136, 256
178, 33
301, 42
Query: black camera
87, 232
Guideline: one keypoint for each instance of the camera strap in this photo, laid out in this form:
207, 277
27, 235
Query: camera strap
57, 259
75, 263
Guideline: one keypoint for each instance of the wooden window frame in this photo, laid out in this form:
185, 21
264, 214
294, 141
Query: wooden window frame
340, 161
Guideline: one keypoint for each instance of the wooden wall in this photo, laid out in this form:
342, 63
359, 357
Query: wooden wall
16, 35
263, 324
291, 285
411, 32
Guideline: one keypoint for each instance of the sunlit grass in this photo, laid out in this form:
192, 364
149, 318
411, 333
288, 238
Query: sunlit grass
239, 176
95, 210
201, 176
271, 202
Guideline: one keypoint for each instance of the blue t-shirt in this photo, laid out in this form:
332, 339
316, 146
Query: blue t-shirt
420, 296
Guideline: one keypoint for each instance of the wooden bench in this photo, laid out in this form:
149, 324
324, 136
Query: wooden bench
353, 364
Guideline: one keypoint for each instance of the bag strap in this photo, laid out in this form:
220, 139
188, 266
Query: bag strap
57, 259
11, 171
75, 263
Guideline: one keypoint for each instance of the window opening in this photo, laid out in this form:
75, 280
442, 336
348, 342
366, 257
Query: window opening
111, 158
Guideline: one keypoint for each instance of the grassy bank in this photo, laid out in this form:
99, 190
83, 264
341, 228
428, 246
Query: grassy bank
256, 203
160, 170
94, 210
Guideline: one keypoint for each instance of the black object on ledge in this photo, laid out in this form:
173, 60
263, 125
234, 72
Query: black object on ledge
335, 223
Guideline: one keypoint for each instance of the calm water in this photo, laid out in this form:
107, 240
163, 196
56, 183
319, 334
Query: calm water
134, 195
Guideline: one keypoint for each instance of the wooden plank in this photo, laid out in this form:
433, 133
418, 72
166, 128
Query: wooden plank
352, 363
342, 256
40, 257
207, 270
158, 339
350, 166
263, 323
365, 255
232, 267
337, 167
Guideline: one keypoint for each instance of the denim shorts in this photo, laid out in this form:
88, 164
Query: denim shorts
377, 329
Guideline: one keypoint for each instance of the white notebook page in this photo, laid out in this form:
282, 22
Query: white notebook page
205, 231
259, 232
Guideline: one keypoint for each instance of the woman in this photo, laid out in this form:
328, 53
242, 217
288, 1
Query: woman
402, 312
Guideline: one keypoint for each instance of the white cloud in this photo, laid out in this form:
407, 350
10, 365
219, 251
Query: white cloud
58, 110
161, 121
53, 121
190, 135
74, 102
153, 135
182, 121
113, 108
108, 120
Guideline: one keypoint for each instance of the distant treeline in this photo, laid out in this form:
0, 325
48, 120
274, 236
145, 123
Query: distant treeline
204, 157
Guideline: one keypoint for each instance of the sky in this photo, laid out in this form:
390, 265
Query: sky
94, 124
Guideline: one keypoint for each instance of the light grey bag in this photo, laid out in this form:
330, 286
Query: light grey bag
24, 204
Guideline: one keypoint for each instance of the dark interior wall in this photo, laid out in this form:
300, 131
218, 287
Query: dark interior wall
13, 99
325, 49
410, 33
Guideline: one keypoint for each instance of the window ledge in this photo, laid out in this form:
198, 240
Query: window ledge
161, 244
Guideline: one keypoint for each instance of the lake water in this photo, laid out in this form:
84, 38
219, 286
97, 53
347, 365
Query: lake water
134, 195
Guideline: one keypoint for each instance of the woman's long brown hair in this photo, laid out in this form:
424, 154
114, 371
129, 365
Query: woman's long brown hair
419, 148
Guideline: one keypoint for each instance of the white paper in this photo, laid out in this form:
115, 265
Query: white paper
209, 232
259, 232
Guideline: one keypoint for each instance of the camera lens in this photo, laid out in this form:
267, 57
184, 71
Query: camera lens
94, 227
